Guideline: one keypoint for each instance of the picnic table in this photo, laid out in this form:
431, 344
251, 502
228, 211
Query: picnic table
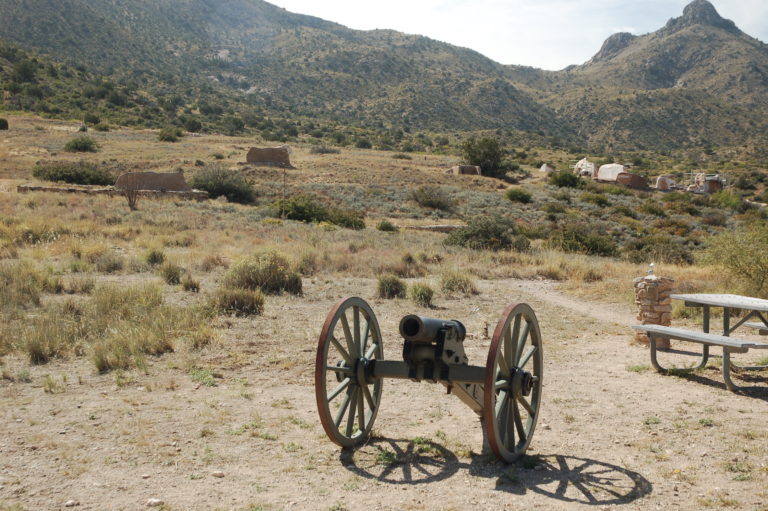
753, 308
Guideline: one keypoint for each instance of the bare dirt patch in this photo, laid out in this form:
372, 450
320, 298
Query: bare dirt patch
235, 426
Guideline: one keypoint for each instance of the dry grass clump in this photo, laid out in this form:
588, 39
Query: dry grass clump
240, 302
171, 273
116, 328
421, 294
213, 261
268, 271
455, 282
390, 286
21, 285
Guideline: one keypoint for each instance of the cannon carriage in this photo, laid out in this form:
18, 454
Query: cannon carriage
505, 393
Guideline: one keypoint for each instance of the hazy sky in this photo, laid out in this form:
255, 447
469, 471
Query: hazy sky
549, 34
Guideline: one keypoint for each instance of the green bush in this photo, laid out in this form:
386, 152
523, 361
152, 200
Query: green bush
192, 125
727, 199
101, 127
565, 179
218, 182
237, 301
324, 149
744, 254
519, 195
455, 282
363, 143
81, 144
387, 226
155, 256
651, 208
268, 271
90, 118
303, 208
657, 249
169, 134
594, 198
421, 294
82, 173
581, 238
390, 286
431, 197
483, 233
3, 124
487, 153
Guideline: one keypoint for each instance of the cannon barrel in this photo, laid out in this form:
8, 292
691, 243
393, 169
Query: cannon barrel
420, 329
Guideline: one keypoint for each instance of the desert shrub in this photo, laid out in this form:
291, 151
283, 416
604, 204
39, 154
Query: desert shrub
189, 284
519, 195
218, 182
154, 256
715, 219
101, 127
212, 261
455, 282
616, 190
171, 273
268, 271
727, 199
421, 294
109, 262
651, 208
554, 208
91, 118
21, 285
363, 143
81, 144
192, 125
581, 238
657, 249
303, 208
483, 233
238, 301
3, 124
390, 286
324, 149
169, 134
81, 173
387, 226
485, 152
594, 198
565, 179
744, 254
431, 197
625, 211
402, 156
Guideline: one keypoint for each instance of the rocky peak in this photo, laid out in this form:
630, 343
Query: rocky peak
701, 12
613, 46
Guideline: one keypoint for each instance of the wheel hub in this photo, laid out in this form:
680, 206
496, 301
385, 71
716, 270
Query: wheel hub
522, 382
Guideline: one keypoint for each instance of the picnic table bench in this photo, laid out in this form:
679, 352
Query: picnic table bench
755, 307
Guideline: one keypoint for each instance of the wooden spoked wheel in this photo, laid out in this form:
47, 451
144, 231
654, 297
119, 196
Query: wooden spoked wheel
347, 396
512, 389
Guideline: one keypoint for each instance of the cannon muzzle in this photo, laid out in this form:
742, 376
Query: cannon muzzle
420, 329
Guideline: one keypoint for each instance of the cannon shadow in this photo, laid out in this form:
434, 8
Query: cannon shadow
561, 477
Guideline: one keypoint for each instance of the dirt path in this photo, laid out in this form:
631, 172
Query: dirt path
608, 437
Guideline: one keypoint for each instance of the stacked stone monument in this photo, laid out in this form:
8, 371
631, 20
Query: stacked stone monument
652, 295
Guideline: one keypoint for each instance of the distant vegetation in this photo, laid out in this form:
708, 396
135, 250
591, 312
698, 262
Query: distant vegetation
82, 173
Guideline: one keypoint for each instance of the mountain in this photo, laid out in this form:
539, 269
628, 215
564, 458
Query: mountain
697, 81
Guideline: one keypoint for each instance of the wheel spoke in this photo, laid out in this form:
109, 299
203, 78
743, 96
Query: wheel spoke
525, 404
343, 385
501, 419
502, 384
518, 422
521, 343
503, 366
344, 406
356, 330
511, 416
348, 334
342, 351
511, 342
500, 399
371, 351
524, 360
352, 410
337, 369
360, 410
366, 334
369, 398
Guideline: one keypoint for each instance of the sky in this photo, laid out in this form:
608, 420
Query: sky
548, 34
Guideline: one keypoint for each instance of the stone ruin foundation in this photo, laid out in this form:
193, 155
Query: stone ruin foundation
652, 295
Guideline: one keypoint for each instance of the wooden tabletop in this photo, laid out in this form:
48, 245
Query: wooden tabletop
723, 300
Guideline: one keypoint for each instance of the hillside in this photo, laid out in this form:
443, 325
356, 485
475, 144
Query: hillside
698, 81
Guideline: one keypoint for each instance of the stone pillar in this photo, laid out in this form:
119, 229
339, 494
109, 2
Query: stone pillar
652, 297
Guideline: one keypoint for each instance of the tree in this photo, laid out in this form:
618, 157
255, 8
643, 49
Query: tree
486, 153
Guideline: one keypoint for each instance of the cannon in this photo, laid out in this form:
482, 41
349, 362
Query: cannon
505, 393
